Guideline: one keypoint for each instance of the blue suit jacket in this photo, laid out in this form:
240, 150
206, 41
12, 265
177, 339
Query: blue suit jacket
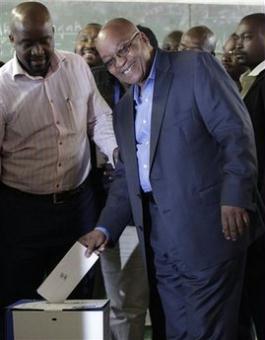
202, 155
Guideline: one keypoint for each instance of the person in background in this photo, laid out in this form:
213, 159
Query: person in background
186, 173
48, 103
85, 44
198, 38
122, 263
250, 53
229, 60
171, 41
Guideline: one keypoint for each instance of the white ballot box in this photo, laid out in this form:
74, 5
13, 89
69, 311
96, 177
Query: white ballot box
71, 320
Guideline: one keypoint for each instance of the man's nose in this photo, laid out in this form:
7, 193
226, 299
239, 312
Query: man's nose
239, 43
37, 49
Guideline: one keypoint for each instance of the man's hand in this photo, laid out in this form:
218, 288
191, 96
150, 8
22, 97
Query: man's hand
94, 241
235, 220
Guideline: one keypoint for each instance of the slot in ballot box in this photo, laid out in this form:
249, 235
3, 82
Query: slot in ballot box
71, 320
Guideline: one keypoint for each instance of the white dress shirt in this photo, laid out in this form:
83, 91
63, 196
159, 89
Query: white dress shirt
44, 124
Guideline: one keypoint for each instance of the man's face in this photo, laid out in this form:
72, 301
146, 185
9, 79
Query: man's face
34, 46
126, 54
250, 47
85, 45
229, 59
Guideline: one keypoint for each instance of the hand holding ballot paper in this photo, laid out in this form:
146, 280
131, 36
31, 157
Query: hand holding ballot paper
67, 274
94, 241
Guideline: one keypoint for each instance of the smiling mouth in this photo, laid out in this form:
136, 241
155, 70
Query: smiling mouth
128, 69
239, 55
90, 52
38, 62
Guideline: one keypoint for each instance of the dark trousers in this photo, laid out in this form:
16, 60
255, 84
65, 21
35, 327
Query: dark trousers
35, 234
252, 308
196, 304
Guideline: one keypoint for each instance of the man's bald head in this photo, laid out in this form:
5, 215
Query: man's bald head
27, 13
116, 26
126, 52
32, 35
198, 38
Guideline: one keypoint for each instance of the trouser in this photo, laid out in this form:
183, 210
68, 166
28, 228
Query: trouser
35, 233
126, 286
252, 308
196, 304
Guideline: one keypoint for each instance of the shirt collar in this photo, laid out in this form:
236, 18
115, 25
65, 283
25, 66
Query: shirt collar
151, 76
18, 70
152, 71
258, 69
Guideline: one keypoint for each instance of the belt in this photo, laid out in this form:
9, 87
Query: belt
61, 197
55, 198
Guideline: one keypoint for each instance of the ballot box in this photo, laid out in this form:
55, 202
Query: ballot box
71, 320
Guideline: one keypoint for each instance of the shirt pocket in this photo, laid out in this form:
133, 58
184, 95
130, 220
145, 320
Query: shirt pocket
77, 108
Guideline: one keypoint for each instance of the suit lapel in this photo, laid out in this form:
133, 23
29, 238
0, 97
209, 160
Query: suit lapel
161, 90
128, 125
259, 78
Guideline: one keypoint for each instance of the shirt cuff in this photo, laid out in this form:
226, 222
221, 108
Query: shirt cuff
104, 230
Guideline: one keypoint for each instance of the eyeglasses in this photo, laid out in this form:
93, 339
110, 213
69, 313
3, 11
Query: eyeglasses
121, 53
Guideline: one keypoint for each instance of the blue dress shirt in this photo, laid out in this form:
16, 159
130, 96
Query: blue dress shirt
143, 98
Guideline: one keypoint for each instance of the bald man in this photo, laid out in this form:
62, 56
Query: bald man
48, 102
127, 310
198, 38
250, 52
186, 173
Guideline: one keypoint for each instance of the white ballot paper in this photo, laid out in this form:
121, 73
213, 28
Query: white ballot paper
67, 274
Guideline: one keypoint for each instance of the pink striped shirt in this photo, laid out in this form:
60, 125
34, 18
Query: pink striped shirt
44, 124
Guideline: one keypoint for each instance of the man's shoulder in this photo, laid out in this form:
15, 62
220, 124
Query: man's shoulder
6, 74
175, 58
178, 63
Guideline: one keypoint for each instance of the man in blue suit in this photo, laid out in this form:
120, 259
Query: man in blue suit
187, 174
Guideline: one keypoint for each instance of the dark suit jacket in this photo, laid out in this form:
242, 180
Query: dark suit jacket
255, 102
202, 155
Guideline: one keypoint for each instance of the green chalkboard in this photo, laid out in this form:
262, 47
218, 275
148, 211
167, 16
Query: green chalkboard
70, 16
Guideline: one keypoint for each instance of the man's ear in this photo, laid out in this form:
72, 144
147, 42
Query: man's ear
145, 38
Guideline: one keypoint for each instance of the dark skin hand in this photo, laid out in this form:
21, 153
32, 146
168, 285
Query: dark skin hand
94, 241
235, 221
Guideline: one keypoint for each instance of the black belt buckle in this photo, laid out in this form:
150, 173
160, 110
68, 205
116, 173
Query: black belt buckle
57, 198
